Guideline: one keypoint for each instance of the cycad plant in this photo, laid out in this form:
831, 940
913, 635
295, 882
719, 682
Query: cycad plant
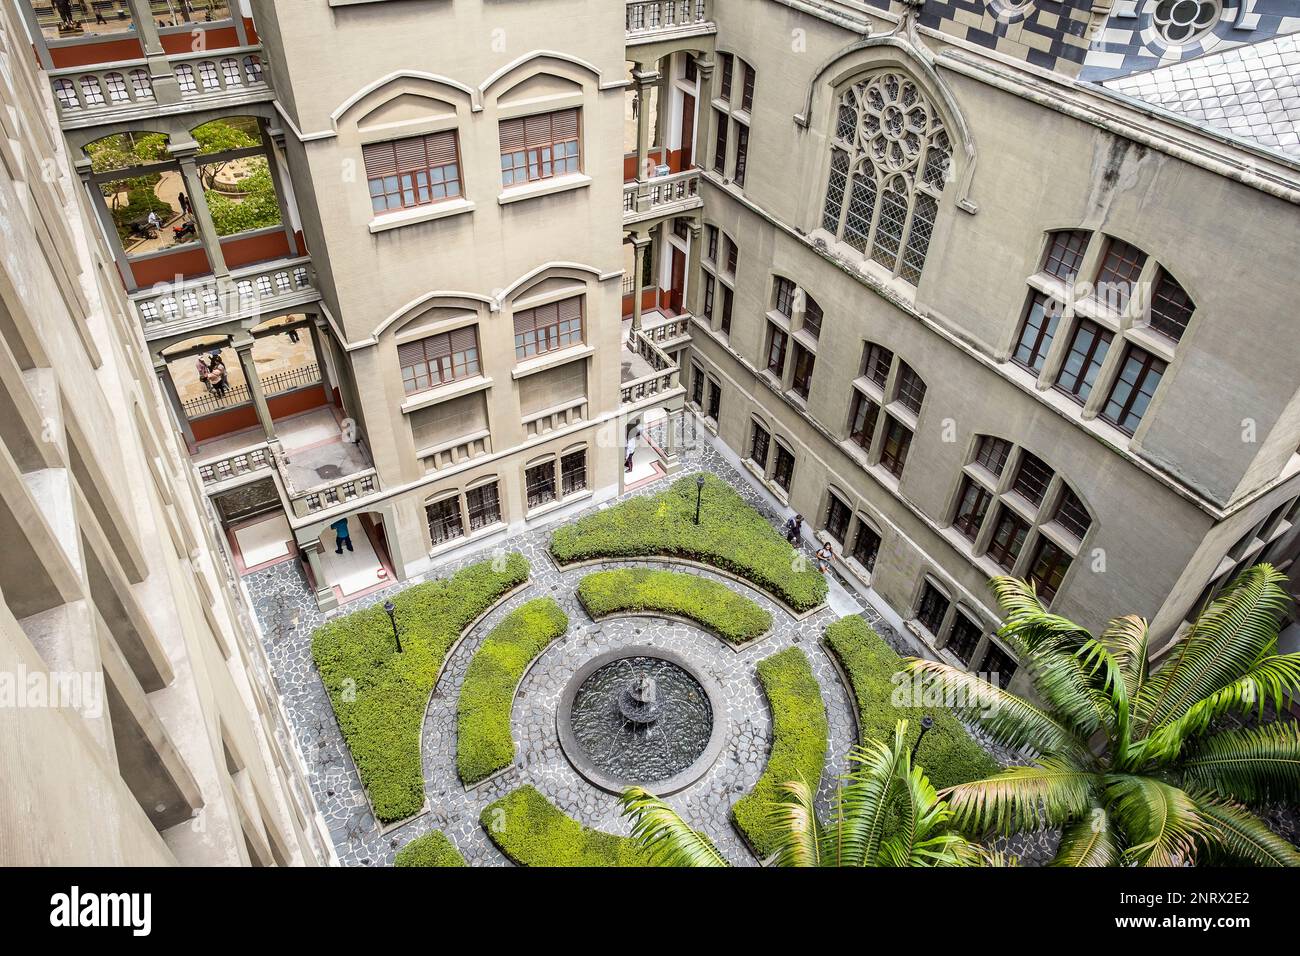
886, 813
1136, 765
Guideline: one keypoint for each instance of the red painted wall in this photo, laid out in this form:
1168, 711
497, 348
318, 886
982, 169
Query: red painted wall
187, 263
128, 47
246, 250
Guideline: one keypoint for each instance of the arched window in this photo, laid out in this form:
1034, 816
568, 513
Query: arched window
889, 163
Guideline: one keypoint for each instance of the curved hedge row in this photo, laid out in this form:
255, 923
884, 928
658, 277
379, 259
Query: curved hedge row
799, 739
432, 849
379, 696
529, 829
483, 741
733, 617
731, 536
948, 753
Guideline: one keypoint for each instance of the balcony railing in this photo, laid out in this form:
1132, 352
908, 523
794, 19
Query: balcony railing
237, 464
456, 451
548, 420
114, 91
654, 19
662, 195
276, 383
662, 378
251, 291
676, 329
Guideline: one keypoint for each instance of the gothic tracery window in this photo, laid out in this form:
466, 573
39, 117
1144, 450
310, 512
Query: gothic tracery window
889, 163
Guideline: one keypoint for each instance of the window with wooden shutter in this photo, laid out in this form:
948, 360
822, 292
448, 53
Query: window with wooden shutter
412, 172
539, 147
439, 359
548, 328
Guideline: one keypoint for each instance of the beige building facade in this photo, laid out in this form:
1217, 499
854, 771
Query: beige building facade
935, 273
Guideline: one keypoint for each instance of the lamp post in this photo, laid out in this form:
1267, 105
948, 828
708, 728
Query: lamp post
391, 608
699, 492
926, 724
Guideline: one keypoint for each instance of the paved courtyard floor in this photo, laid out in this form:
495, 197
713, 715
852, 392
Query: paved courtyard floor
288, 615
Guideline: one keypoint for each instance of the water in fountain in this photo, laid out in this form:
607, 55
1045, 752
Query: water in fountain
642, 719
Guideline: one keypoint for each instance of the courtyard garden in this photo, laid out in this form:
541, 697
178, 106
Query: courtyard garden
635, 688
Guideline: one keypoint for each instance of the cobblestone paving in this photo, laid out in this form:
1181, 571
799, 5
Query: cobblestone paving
288, 615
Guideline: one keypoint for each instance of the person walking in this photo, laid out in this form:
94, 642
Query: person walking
185, 203
342, 537
794, 529
824, 558
201, 367
632, 440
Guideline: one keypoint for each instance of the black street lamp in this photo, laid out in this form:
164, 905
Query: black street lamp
699, 492
391, 608
926, 724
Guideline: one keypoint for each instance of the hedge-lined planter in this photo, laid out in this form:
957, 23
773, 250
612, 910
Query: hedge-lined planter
484, 745
380, 697
735, 619
867, 665
531, 831
731, 538
799, 741
432, 849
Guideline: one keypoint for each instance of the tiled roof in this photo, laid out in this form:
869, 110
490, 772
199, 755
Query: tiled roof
1252, 92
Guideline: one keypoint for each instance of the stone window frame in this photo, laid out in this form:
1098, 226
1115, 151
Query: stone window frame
794, 326
1129, 323
860, 517
958, 604
716, 268
460, 494
1041, 518
735, 81
553, 459
756, 424
890, 407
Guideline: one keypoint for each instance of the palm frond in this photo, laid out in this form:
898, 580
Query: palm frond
1241, 837
1252, 765
1126, 639
866, 799
1161, 822
1007, 718
1089, 841
1049, 793
1076, 693
1226, 640
795, 817
1029, 625
923, 838
668, 838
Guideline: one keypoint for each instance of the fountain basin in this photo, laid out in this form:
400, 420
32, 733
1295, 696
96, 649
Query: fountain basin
641, 716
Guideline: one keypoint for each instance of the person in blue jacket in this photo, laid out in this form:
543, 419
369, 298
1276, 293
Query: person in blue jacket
342, 538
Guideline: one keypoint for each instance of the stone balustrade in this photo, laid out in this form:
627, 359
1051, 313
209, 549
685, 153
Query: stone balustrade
171, 307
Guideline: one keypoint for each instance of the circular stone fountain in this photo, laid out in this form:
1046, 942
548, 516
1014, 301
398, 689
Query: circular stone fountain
640, 715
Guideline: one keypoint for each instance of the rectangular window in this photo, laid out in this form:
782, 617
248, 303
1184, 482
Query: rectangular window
444, 520
573, 472
1036, 334
725, 65
412, 172
715, 401
708, 296
484, 506
732, 253
804, 361
1132, 391
747, 90
1072, 515
1048, 569
932, 609
999, 665
876, 362
866, 545
539, 147
1065, 254
837, 519
742, 154
862, 419
1032, 478
439, 359
548, 328
963, 638
812, 318
783, 473
972, 505
1008, 539
776, 352
758, 446
898, 440
1119, 272
784, 296
712, 232
720, 122
539, 483
725, 324
992, 454
911, 389
697, 385
1088, 350
1171, 308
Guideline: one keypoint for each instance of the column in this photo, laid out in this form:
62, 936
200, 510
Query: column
165, 88
107, 226
326, 600
244, 349
703, 114
185, 151
279, 180
174, 403
320, 363
645, 82
639, 246
694, 279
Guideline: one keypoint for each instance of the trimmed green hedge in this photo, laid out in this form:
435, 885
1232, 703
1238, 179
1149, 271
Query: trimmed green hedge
948, 753
432, 849
799, 737
731, 536
532, 832
379, 696
733, 617
483, 741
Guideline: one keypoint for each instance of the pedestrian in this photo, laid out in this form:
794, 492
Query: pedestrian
185, 203
342, 538
202, 368
153, 220
293, 335
794, 529
99, 18
632, 440
824, 558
